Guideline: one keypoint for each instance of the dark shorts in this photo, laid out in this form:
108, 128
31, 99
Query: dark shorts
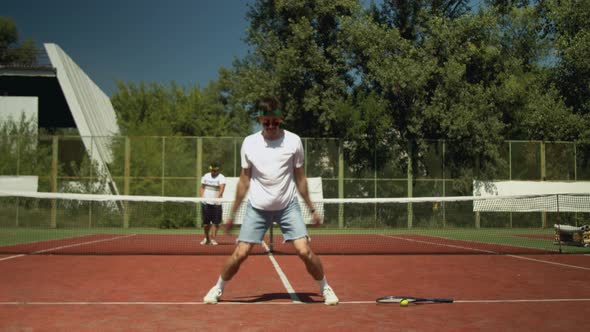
211, 214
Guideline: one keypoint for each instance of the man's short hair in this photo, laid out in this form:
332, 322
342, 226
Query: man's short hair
214, 166
269, 106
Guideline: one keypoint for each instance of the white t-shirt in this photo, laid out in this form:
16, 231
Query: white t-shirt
212, 185
272, 185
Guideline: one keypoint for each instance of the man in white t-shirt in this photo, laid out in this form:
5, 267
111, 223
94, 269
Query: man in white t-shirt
272, 170
212, 186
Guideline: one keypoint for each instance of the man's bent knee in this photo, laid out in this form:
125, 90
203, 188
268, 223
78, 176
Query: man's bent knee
304, 252
241, 253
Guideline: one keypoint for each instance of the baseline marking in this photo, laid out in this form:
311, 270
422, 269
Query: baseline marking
148, 303
282, 275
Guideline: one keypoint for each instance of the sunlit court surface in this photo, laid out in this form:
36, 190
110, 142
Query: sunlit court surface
53, 287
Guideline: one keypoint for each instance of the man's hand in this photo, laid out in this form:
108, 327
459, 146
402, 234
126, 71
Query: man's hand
317, 220
228, 225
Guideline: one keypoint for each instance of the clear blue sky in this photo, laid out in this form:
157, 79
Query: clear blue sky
185, 41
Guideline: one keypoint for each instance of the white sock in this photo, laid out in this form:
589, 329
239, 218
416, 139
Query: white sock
323, 283
221, 283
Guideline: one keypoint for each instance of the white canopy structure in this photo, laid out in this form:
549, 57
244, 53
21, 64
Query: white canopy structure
90, 107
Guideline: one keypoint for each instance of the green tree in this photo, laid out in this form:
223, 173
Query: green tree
297, 57
474, 79
174, 115
571, 19
408, 16
10, 51
155, 109
23, 153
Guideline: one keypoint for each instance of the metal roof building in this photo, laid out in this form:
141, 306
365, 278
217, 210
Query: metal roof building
67, 98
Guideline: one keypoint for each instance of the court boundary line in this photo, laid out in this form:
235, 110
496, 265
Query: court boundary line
487, 251
282, 275
68, 246
147, 303
439, 244
550, 262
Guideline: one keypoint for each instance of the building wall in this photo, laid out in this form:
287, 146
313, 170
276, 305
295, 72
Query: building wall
13, 108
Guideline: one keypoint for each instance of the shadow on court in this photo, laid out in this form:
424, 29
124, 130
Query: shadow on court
303, 297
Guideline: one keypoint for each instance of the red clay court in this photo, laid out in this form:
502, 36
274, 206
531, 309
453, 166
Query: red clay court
49, 287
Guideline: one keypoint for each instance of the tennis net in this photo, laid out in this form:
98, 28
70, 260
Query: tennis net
61, 223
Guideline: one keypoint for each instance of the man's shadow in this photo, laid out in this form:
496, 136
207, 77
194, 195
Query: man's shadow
303, 297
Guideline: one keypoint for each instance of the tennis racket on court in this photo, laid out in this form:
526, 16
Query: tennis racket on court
411, 299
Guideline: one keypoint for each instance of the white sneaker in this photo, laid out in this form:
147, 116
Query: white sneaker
330, 297
213, 242
204, 242
213, 296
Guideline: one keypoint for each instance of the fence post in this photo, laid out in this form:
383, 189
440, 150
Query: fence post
340, 183
510, 173
199, 170
163, 170
444, 183
126, 180
543, 178
54, 163
410, 185
237, 158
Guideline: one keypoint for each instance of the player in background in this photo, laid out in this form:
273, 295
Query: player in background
212, 186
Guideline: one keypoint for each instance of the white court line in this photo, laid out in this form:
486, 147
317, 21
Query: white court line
148, 303
11, 257
550, 262
68, 246
282, 275
488, 251
439, 244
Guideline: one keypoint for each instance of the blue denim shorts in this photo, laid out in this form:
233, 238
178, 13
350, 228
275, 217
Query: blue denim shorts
256, 223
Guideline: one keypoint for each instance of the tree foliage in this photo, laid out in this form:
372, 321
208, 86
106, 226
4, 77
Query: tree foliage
390, 76
297, 57
402, 72
571, 22
156, 109
11, 52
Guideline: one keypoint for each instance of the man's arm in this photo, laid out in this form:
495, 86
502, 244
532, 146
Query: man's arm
241, 191
221, 190
301, 182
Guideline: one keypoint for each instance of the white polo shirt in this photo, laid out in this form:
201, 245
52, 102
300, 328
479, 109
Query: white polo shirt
272, 185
